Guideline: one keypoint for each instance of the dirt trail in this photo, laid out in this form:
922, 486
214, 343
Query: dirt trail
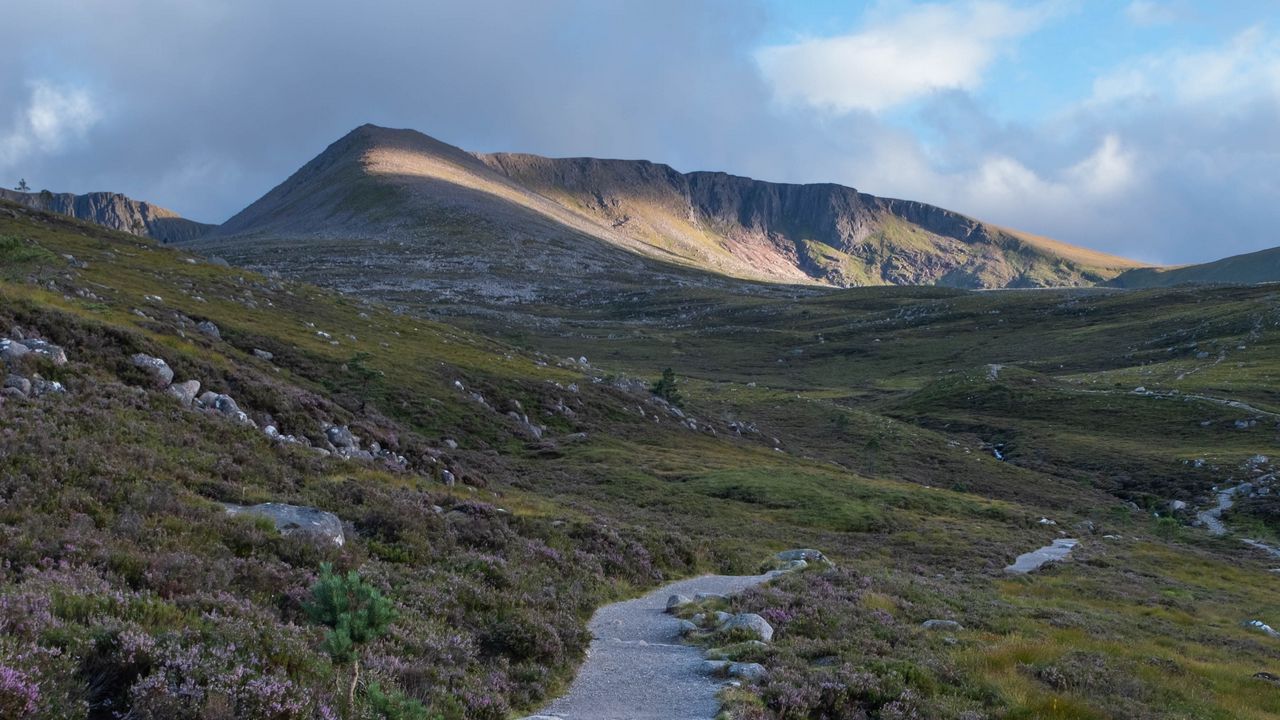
638, 669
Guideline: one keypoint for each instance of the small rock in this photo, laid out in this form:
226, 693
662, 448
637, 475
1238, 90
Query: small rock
722, 617
1177, 505
1262, 628
159, 371
447, 478
263, 354
750, 622
185, 391
806, 554
11, 350
709, 596
210, 329
687, 628
751, 672
941, 625
676, 601
18, 383
1269, 677
341, 437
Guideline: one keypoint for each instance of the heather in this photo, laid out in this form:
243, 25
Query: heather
517, 485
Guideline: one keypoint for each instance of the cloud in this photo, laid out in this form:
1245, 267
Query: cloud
926, 49
1151, 12
54, 118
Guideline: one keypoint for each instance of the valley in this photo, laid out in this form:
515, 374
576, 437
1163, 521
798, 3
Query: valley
526, 474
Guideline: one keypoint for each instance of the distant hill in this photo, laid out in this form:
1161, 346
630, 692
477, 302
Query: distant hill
1248, 269
115, 211
397, 210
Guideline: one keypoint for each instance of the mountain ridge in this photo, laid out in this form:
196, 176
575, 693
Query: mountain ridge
115, 211
485, 217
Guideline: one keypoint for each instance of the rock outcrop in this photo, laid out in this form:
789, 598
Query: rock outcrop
114, 211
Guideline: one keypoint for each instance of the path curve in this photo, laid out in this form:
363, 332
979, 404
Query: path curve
637, 668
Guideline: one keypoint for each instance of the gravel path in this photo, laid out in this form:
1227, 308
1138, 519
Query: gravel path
638, 669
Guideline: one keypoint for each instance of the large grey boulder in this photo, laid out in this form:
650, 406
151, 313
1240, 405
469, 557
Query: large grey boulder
210, 329
48, 350
752, 623
185, 391
159, 371
224, 405
295, 520
12, 350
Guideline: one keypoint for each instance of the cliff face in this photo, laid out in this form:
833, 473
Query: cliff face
115, 211
826, 233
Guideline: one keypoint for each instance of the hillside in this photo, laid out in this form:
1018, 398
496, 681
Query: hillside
1262, 266
115, 211
497, 482
387, 211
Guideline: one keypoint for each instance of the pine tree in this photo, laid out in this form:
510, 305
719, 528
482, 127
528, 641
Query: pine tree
666, 388
355, 613
23, 186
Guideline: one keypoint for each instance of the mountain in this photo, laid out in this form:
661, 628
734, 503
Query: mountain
390, 210
115, 211
1262, 266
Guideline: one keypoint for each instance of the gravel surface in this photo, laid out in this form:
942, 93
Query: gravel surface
638, 669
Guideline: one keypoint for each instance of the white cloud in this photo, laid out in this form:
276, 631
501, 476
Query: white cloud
929, 48
54, 118
1245, 67
1150, 12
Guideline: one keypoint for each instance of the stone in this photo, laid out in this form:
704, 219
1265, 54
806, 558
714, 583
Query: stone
12, 350
806, 554
263, 354
159, 371
40, 386
709, 596
225, 405
1177, 505
676, 601
18, 383
210, 329
687, 628
714, 667
941, 625
13, 393
341, 437
721, 617
1262, 628
750, 622
48, 350
751, 672
296, 520
185, 392
1268, 677
447, 478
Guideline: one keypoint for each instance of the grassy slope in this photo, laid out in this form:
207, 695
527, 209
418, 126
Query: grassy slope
1262, 266
109, 493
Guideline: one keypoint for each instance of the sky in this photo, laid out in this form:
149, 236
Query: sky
1146, 128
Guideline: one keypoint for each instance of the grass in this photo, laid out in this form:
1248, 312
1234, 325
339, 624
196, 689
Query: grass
860, 422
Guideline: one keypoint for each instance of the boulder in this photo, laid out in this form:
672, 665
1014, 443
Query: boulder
185, 392
714, 667
941, 625
18, 383
40, 386
48, 350
687, 628
750, 622
159, 371
263, 354
224, 405
1262, 627
11, 350
806, 554
677, 601
210, 329
341, 437
721, 617
751, 672
295, 520
1177, 505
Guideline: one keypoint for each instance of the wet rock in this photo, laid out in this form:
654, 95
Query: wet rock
296, 519
156, 368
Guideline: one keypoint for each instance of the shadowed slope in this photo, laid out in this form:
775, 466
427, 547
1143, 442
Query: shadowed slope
115, 211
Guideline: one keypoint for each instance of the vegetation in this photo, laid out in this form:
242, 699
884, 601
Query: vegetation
666, 389
861, 422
